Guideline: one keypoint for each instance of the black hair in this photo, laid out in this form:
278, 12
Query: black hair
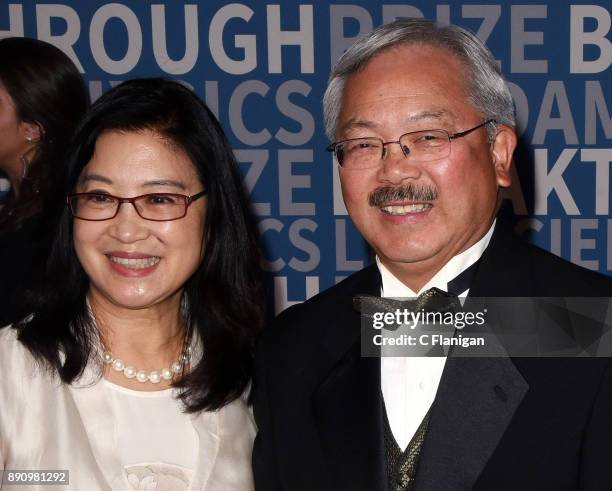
224, 296
48, 90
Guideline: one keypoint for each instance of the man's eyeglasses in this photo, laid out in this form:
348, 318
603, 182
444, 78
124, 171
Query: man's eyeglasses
158, 207
418, 146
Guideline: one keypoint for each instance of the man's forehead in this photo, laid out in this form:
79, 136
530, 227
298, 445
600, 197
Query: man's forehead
406, 84
360, 113
403, 112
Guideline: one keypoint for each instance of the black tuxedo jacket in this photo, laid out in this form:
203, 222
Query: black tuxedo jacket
495, 424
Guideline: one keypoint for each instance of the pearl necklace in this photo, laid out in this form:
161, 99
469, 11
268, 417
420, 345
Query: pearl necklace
154, 376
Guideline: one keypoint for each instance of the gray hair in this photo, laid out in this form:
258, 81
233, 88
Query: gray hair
487, 88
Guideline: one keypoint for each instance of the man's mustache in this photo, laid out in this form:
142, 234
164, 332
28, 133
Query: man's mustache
408, 192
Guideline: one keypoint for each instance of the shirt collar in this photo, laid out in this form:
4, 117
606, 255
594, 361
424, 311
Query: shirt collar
393, 287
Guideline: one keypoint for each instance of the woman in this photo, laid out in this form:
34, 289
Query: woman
133, 368
42, 97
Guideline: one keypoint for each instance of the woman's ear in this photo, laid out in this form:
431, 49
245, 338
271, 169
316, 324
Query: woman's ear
32, 131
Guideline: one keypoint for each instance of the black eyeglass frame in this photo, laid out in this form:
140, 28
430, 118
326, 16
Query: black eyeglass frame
406, 151
188, 200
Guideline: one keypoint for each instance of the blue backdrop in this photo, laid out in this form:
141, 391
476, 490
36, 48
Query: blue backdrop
262, 68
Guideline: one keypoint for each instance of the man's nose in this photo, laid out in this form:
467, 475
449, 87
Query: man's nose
385, 148
397, 164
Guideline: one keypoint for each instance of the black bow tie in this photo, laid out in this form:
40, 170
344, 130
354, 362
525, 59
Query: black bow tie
400, 317
432, 300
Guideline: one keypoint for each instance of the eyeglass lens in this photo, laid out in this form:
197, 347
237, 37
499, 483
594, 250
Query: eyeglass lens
158, 206
419, 146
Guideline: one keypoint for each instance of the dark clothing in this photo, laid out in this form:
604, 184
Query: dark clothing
401, 465
22, 253
495, 424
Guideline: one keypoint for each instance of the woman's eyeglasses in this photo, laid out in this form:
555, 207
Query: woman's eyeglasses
158, 207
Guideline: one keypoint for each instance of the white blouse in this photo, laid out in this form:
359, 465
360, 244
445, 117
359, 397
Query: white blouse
48, 425
158, 445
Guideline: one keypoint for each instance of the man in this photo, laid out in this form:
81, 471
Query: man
423, 130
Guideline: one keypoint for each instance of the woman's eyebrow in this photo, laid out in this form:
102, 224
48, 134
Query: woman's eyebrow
165, 182
94, 177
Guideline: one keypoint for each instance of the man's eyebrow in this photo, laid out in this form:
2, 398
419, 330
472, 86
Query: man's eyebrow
94, 177
165, 182
358, 123
368, 124
426, 115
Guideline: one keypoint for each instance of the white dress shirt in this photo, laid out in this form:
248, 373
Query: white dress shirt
409, 384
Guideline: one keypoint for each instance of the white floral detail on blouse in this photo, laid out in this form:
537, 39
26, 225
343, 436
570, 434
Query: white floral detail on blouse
158, 477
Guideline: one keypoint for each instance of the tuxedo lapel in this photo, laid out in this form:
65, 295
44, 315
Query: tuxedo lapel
477, 397
348, 412
347, 404
504, 269
343, 330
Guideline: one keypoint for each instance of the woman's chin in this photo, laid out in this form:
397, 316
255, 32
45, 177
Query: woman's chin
133, 300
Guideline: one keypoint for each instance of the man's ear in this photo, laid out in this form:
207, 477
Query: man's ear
502, 149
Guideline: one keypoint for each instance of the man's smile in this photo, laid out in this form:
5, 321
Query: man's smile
405, 209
